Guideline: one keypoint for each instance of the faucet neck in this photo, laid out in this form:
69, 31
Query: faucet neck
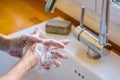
104, 23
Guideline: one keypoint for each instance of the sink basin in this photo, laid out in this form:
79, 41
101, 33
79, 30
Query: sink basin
77, 67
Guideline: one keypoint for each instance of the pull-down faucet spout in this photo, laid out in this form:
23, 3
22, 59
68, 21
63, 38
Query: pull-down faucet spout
104, 23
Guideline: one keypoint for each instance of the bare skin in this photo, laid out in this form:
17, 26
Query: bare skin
30, 58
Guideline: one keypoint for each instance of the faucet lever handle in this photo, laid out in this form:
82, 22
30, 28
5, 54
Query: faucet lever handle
82, 16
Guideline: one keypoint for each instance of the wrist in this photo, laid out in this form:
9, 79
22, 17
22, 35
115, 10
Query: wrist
31, 58
26, 63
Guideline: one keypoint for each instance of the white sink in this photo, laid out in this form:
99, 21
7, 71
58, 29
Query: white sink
77, 67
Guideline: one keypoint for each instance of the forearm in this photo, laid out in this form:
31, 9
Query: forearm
4, 42
17, 72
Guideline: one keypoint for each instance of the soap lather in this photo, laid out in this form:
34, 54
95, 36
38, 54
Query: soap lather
58, 27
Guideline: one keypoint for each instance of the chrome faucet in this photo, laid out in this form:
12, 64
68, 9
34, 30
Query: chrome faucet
98, 46
104, 23
50, 5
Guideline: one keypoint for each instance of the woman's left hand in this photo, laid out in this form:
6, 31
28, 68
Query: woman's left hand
17, 44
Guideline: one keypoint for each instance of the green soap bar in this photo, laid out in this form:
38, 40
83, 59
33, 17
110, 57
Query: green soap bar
58, 27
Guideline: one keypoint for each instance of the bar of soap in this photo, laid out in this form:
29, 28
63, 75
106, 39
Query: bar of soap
58, 27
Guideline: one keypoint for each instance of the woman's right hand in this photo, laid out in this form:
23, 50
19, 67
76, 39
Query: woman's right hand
34, 58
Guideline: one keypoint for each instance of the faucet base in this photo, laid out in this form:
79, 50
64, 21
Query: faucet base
93, 55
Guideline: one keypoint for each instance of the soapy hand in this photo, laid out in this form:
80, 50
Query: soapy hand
44, 55
17, 44
50, 50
